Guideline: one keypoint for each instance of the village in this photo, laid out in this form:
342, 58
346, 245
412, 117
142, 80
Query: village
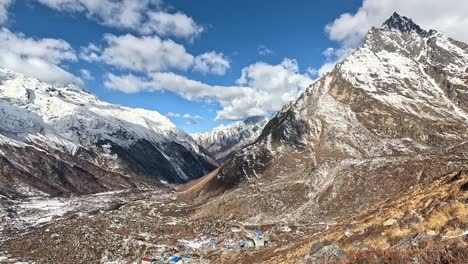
199, 250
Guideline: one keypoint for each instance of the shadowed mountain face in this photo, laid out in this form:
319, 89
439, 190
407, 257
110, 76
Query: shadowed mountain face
58, 140
391, 115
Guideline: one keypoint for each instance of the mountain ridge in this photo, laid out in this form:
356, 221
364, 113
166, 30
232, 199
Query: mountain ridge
224, 141
68, 123
387, 117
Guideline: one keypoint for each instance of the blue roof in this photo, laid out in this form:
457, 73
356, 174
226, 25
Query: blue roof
257, 233
174, 259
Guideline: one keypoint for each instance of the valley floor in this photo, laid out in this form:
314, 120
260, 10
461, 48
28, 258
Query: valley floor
122, 227
426, 224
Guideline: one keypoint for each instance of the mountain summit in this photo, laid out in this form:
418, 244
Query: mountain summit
403, 24
391, 115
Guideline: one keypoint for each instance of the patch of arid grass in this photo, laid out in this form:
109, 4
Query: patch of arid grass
440, 206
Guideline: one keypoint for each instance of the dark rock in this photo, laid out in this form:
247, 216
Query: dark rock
413, 241
464, 187
411, 218
324, 251
403, 24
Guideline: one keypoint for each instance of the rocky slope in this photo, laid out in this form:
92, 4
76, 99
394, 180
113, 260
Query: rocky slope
223, 142
390, 116
61, 139
426, 224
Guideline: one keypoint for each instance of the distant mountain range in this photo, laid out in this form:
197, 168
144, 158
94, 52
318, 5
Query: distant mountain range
61, 139
223, 142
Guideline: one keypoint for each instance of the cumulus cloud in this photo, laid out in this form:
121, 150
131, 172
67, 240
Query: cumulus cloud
143, 54
149, 54
90, 53
4, 4
168, 81
128, 83
165, 24
446, 16
262, 88
39, 58
212, 62
144, 16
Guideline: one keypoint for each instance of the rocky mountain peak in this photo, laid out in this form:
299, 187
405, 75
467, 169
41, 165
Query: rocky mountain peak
402, 24
223, 142
254, 120
394, 103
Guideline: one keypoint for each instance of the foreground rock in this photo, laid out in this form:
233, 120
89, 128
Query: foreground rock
324, 252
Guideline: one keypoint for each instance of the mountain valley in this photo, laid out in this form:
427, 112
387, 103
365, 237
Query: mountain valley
368, 165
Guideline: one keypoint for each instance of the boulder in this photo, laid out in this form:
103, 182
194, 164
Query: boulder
412, 241
324, 251
390, 222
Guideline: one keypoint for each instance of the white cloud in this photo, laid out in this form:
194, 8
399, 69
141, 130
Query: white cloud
148, 54
262, 88
142, 54
264, 50
332, 57
165, 24
192, 120
117, 13
144, 16
128, 83
272, 86
4, 4
167, 81
39, 58
90, 53
171, 114
189, 119
212, 62
85, 74
447, 16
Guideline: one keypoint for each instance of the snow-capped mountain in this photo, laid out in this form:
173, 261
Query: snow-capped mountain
391, 115
57, 139
224, 141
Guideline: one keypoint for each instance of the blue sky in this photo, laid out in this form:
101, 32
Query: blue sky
241, 57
